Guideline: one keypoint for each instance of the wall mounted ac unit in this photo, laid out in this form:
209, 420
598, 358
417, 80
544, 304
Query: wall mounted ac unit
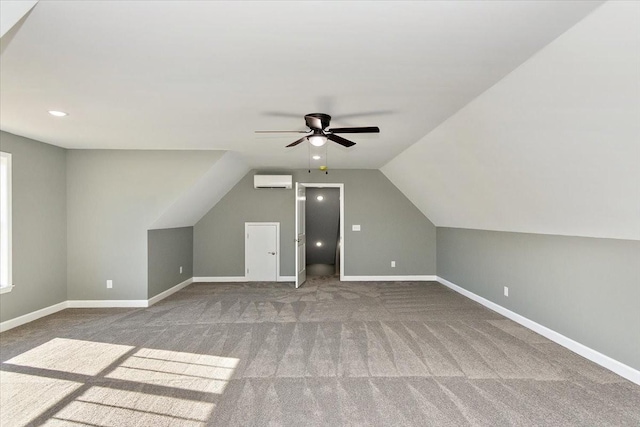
272, 181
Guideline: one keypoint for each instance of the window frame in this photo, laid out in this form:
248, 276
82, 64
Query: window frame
9, 286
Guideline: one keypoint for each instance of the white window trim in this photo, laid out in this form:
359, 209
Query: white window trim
9, 287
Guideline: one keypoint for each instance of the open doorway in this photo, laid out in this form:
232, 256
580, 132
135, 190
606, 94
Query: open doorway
326, 242
323, 231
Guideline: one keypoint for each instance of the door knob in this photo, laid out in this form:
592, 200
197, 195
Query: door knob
272, 253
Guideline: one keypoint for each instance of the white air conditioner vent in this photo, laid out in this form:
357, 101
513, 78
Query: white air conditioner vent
272, 181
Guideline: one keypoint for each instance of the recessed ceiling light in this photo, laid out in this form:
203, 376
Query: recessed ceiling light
316, 157
318, 244
58, 113
320, 198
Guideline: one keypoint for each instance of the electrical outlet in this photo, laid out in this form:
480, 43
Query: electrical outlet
506, 291
109, 284
393, 264
180, 269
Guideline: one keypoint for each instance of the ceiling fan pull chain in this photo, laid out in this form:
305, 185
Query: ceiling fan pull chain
326, 159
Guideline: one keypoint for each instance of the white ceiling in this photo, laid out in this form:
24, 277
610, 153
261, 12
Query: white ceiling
553, 148
205, 75
11, 11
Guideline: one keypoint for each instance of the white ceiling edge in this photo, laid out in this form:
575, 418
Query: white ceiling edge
552, 148
11, 12
201, 197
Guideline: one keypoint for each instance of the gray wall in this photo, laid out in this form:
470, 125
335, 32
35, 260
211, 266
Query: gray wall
584, 288
322, 224
169, 249
39, 226
113, 198
392, 227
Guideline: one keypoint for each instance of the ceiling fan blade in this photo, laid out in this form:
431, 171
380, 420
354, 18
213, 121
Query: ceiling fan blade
367, 129
340, 140
293, 144
281, 131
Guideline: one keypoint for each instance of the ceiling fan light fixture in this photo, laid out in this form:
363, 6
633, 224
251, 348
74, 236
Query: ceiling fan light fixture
318, 124
317, 140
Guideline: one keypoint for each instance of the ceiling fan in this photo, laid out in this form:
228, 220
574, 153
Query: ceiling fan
318, 134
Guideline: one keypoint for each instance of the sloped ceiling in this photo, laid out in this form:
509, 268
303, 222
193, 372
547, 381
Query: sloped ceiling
552, 148
11, 12
204, 194
206, 74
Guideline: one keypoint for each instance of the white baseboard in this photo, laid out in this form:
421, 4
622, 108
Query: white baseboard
168, 292
613, 365
115, 303
220, 279
346, 278
390, 278
234, 279
30, 317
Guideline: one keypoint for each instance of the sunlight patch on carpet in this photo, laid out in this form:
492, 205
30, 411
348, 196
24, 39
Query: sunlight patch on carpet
23, 395
72, 356
109, 407
75, 382
198, 372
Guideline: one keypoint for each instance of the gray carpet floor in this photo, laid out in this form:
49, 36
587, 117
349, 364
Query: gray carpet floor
327, 354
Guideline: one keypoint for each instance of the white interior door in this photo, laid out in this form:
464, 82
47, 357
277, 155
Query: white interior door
261, 252
301, 236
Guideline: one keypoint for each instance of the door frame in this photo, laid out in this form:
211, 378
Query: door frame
341, 237
300, 232
246, 246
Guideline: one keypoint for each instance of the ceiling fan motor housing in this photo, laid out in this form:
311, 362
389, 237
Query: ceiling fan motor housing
317, 121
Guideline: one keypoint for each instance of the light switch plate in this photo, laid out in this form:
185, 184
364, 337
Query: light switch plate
355, 227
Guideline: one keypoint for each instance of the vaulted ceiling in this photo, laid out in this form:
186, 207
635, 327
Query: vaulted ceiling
553, 148
512, 115
205, 75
